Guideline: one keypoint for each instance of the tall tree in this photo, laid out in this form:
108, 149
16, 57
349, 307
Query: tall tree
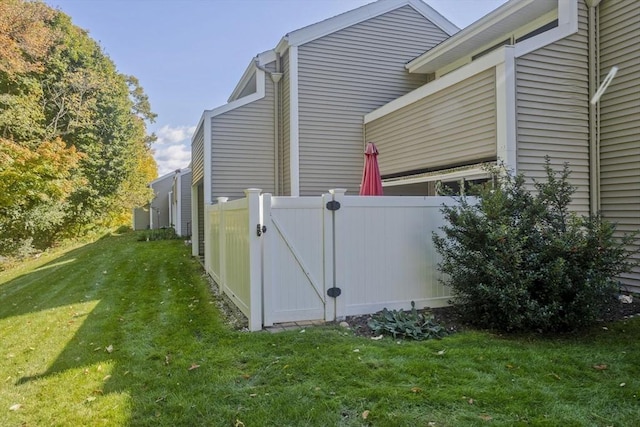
58, 87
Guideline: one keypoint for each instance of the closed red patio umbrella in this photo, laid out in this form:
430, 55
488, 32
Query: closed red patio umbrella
371, 181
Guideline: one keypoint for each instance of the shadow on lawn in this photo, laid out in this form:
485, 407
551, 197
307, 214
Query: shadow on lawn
147, 310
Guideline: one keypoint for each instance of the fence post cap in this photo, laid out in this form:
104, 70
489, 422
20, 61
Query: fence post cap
338, 191
222, 199
252, 191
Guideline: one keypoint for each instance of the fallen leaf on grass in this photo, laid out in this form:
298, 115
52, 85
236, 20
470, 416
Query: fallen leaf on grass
416, 389
471, 401
15, 407
486, 417
193, 366
623, 384
378, 338
253, 394
238, 423
556, 376
600, 367
90, 399
365, 414
109, 348
441, 352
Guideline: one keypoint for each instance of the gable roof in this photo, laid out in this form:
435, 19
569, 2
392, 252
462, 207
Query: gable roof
355, 16
339, 22
507, 18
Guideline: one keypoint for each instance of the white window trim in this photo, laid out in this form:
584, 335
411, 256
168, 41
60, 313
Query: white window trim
294, 123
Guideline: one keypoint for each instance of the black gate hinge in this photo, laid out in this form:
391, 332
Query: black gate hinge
261, 229
334, 292
333, 205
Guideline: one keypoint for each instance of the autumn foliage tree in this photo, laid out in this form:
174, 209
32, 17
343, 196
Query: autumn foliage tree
74, 146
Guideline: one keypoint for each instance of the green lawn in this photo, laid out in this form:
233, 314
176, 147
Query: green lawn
121, 332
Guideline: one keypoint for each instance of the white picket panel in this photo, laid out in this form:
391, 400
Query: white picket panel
385, 255
212, 230
293, 259
235, 263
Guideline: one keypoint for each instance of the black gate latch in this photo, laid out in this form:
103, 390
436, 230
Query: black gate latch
261, 229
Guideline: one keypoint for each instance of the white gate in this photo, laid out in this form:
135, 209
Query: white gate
296, 247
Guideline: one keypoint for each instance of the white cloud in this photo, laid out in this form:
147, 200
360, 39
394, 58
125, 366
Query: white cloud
172, 150
171, 135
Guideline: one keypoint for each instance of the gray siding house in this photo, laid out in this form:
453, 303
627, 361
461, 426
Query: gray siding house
159, 212
180, 199
515, 87
293, 125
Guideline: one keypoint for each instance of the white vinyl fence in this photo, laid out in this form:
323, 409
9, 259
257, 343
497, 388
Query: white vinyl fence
283, 259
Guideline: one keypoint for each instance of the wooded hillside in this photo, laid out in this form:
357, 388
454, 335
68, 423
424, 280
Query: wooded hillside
74, 150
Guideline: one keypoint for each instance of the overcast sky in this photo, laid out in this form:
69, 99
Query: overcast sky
190, 54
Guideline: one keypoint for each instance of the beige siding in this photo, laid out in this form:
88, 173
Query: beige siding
285, 117
200, 206
345, 75
185, 204
197, 155
454, 126
620, 117
552, 110
242, 147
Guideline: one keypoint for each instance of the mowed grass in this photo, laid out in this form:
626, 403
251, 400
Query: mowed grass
121, 332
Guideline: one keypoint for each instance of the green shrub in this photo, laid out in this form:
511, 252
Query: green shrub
165, 233
406, 324
522, 261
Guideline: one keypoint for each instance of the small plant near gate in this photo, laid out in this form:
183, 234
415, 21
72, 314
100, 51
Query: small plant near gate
409, 324
522, 261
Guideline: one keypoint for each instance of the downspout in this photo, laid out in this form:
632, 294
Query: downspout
276, 76
594, 108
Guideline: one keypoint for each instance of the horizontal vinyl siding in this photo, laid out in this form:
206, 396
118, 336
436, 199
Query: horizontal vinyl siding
185, 204
454, 126
242, 147
620, 119
345, 75
552, 110
285, 117
197, 155
200, 202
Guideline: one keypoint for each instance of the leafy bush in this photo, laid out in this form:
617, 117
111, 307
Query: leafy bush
167, 233
519, 260
406, 324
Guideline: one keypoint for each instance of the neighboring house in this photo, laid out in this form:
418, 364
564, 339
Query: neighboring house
140, 218
293, 124
159, 212
515, 87
180, 196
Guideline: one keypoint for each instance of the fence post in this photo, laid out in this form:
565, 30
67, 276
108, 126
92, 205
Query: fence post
267, 262
255, 260
337, 195
222, 244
